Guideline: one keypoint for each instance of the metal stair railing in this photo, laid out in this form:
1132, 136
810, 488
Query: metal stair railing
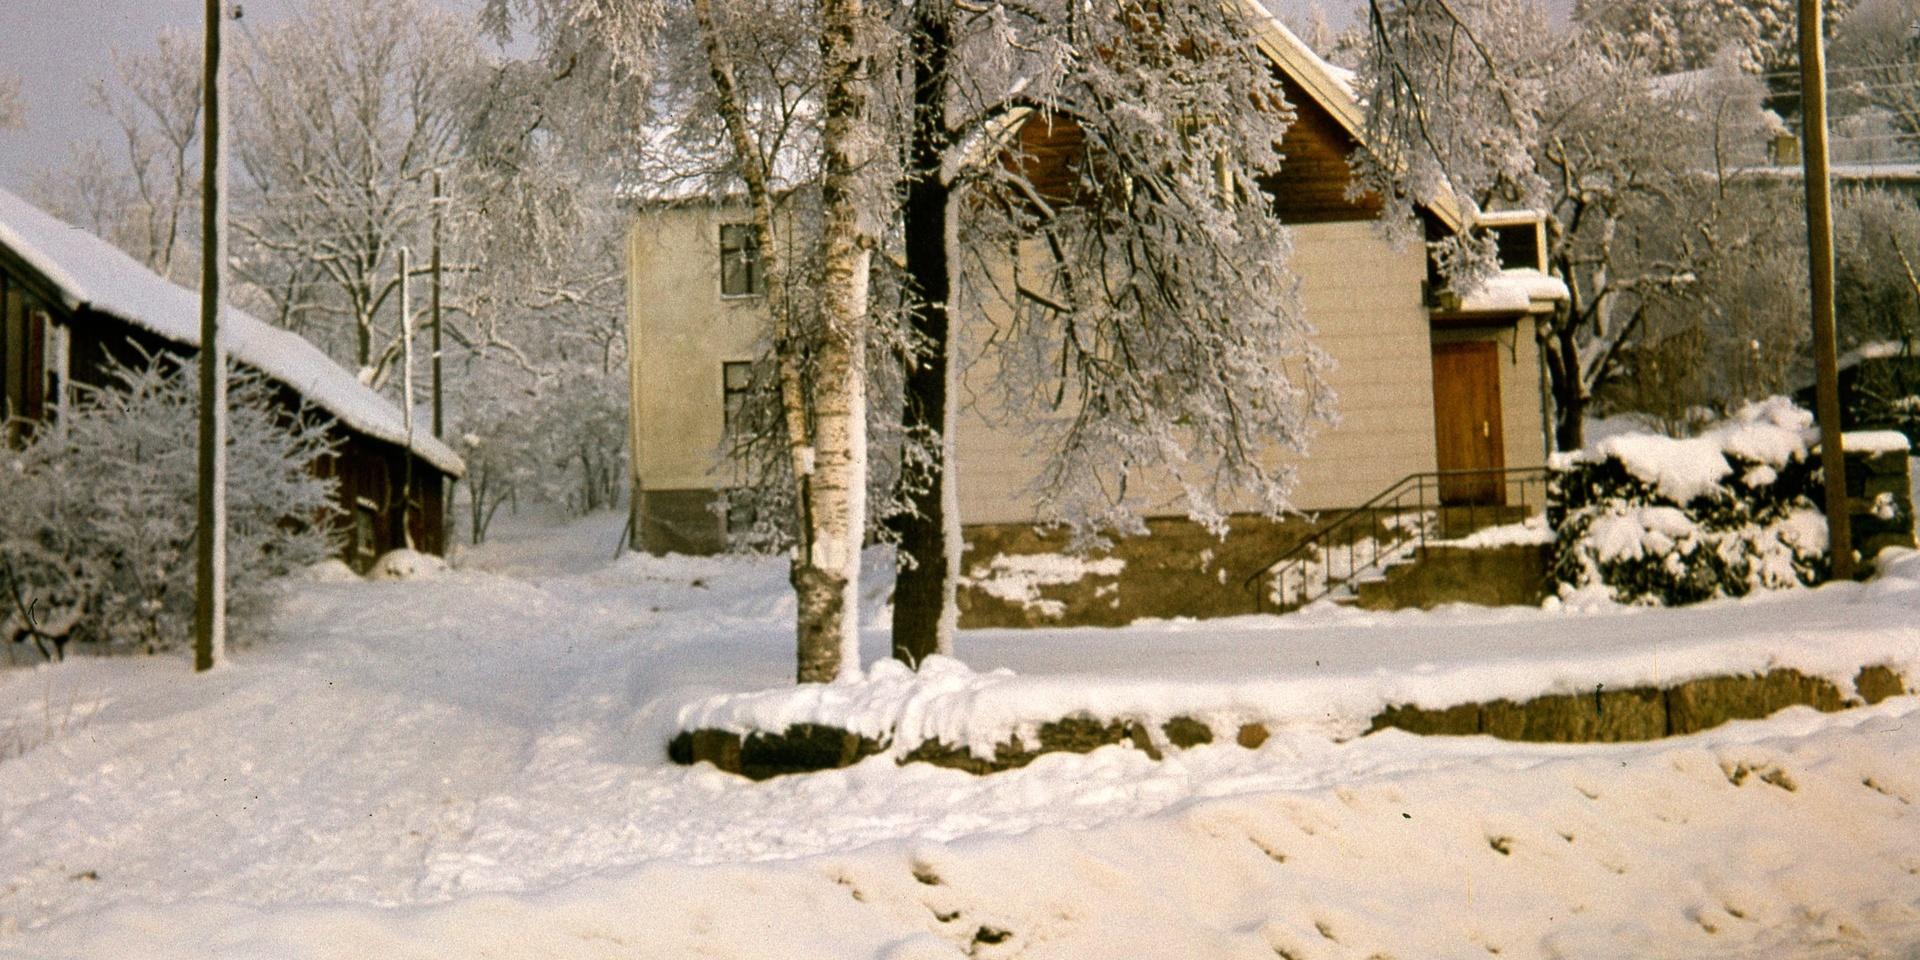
1395, 524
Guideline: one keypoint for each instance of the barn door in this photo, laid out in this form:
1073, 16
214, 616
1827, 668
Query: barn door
1466, 420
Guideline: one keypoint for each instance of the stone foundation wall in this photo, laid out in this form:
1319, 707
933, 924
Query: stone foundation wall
678, 521
1177, 569
1644, 713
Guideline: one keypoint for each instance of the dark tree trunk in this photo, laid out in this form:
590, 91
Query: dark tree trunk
923, 592
1569, 396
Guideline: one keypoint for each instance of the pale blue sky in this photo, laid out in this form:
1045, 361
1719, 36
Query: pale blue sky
58, 47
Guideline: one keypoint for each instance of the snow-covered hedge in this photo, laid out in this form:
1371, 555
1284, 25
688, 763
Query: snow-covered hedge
1647, 519
97, 527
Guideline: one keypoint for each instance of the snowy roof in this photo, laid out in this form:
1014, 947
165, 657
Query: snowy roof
1517, 290
1877, 350
94, 274
1858, 170
1683, 81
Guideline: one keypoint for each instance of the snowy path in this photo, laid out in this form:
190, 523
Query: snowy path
499, 731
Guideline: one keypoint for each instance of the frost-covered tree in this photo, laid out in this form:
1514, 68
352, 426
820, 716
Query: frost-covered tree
1738, 329
1148, 325
530, 226
1152, 333
1670, 36
537, 378
13, 110
96, 543
1688, 277
1876, 65
1876, 267
1637, 175
826, 421
824, 411
141, 188
345, 114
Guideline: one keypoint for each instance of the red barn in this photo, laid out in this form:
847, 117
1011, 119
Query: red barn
72, 303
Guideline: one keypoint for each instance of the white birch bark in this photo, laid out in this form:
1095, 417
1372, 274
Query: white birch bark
829, 460
830, 630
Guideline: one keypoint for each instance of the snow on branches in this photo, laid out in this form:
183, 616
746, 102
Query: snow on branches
97, 538
1149, 323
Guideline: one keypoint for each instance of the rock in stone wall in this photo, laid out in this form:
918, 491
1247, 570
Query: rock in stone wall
802, 748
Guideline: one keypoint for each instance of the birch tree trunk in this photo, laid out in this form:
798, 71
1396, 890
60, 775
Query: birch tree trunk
829, 608
827, 451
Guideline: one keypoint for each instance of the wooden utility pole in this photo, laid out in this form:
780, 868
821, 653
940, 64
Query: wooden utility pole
439, 425
1833, 458
210, 556
406, 391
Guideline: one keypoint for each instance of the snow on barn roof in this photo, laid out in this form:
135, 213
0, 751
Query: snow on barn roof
92, 273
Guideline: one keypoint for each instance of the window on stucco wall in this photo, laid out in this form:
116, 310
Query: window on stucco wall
740, 270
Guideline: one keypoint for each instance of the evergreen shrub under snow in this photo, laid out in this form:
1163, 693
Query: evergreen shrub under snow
1649, 519
97, 537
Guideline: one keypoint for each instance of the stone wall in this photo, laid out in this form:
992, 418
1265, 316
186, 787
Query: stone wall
1177, 569
1644, 713
1602, 716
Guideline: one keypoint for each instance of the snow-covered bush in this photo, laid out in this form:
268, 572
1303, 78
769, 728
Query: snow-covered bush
1651, 519
404, 564
96, 541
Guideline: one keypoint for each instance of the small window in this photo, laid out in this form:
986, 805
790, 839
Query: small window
25, 325
740, 271
1519, 246
364, 548
736, 381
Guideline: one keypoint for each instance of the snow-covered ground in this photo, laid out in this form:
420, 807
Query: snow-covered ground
472, 765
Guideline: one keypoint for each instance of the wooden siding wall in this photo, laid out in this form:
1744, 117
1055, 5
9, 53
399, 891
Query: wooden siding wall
1310, 186
23, 354
372, 478
1363, 296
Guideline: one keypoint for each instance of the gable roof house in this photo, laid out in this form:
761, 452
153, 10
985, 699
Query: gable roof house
74, 305
1424, 382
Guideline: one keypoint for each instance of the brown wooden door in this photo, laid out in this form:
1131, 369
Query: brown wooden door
1466, 420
